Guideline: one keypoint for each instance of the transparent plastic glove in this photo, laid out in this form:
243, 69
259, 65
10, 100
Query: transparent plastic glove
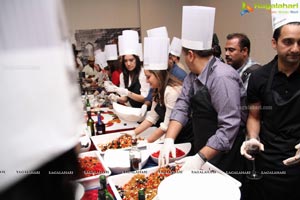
113, 97
246, 145
295, 159
143, 110
194, 162
122, 91
109, 86
167, 147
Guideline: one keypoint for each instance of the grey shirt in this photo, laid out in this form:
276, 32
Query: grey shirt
226, 89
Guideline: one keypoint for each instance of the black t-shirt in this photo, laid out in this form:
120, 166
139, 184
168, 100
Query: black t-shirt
285, 86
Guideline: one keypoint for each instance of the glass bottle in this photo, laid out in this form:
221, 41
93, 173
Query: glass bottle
135, 157
90, 123
141, 195
100, 126
103, 193
87, 105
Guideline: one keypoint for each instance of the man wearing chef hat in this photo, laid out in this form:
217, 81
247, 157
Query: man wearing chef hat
211, 96
174, 55
41, 117
274, 93
111, 53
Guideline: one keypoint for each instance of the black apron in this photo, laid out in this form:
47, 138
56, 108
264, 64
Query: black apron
280, 132
205, 124
186, 133
135, 88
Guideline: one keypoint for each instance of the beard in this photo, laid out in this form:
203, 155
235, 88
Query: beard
291, 59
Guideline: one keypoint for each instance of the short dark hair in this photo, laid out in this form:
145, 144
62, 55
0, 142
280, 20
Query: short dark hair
243, 40
277, 31
201, 53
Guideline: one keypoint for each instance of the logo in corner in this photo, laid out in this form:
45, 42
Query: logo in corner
246, 9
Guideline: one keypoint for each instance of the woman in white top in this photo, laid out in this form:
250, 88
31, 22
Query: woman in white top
133, 85
166, 89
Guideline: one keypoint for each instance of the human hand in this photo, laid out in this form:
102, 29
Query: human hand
167, 147
194, 162
122, 91
109, 86
113, 97
295, 159
143, 110
251, 142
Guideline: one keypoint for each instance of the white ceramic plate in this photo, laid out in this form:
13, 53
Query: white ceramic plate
188, 185
185, 147
122, 179
92, 181
106, 138
127, 113
118, 160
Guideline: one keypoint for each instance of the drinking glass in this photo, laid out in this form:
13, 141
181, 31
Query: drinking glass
254, 150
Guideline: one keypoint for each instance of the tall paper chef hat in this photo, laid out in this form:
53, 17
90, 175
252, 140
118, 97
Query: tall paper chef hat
289, 13
156, 49
175, 48
128, 43
197, 27
140, 52
156, 53
100, 58
158, 32
111, 52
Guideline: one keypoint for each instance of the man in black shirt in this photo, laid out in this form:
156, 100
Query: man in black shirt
274, 116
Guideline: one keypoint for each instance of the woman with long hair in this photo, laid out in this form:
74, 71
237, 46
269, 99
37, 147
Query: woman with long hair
166, 89
133, 86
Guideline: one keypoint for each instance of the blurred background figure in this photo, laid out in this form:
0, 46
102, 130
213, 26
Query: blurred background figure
39, 129
237, 52
113, 63
174, 66
216, 47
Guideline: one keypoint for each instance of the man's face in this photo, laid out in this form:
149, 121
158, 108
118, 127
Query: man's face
288, 45
234, 55
91, 63
170, 61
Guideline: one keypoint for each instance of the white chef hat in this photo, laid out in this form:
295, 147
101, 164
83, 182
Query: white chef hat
156, 53
158, 32
128, 43
100, 58
175, 48
111, 52
140, 52
49, 116
197, 27
289, 13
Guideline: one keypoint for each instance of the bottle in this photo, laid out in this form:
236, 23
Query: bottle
141, 194
90, 123
100, 126
135, 157
87, 105
103, 193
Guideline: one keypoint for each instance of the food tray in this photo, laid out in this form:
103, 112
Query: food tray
106, 138
93, 181
121, 179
